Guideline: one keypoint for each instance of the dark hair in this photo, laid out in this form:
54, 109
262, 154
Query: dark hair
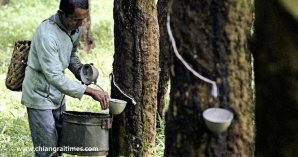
68, 6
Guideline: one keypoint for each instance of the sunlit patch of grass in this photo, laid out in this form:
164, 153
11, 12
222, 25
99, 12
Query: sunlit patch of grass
160, 139
14, 129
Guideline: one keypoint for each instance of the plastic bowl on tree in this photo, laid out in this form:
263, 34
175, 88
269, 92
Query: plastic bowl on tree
218, 119
116, 106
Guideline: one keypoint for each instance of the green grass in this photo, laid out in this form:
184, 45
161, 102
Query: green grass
19, 20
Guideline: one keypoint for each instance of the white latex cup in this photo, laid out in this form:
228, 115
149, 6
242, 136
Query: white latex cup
88, 74
116, 106
218, 119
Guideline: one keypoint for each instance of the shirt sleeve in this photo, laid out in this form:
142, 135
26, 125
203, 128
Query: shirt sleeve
52, 68
75, 63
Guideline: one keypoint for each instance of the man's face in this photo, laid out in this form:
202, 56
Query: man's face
74, 20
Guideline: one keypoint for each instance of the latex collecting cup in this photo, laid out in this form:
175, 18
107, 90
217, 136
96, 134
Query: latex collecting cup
217, 119
116, 106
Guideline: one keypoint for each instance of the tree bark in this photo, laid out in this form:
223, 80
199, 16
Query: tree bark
136, 72
275, 46
86, 37
211, 36
4, 2
164, 56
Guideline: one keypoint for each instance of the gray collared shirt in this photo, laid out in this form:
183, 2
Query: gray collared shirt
51, 52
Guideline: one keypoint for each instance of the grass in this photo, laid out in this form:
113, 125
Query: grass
19, 20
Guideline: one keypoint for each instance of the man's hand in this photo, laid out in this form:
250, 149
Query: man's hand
99, 96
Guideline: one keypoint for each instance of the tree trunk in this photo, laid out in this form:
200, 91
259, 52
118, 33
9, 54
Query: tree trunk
136, 72
275, 46
86, 37
211, 36
164, 76
4, 2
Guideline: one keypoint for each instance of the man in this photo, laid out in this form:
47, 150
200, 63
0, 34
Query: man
53, 49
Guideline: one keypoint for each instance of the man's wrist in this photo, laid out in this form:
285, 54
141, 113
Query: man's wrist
88, 91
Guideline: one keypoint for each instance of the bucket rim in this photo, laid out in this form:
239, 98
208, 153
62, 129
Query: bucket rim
85, 114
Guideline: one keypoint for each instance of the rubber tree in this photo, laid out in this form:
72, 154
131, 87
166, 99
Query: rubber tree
86, 37
4, 2
212, 38
136, 73
274, 47
164, 57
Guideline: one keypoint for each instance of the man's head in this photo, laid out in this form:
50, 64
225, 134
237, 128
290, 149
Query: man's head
73, 12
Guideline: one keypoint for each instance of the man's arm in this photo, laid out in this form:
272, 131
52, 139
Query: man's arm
51, 67
99, 96
75, 64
